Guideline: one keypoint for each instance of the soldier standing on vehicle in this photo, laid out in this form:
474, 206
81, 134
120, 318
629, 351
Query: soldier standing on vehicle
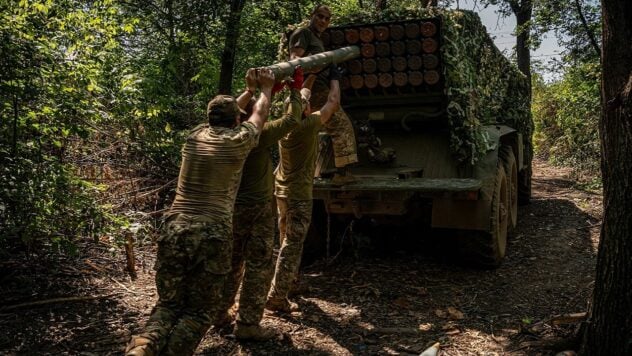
254, 224
304, 42
194, 250
293, 190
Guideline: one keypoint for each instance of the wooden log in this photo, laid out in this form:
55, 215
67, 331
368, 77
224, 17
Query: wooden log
568, 318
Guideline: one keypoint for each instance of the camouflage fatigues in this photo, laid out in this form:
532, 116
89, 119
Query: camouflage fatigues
253, 242
254, 222
294, 220
293, 189
195, 247
339, 127
191, 266
341, 131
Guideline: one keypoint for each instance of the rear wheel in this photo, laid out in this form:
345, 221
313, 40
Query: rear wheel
511, 171
524, 180
486, 249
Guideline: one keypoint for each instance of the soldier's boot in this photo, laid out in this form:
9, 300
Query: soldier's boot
139, 346
282, 305
254, 332
298, 288
225, 318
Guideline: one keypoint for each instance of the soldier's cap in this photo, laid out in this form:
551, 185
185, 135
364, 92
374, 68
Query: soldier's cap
223, 106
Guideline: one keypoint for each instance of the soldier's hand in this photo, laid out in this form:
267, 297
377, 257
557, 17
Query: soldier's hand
266, 78
297, 78
277, 87
251, 80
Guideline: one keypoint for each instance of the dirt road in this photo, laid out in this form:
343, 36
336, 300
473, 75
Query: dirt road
395, 296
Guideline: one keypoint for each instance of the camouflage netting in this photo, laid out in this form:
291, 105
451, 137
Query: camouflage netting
481, 85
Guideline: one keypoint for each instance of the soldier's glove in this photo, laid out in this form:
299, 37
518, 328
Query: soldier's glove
297, 78
335, 73
277, 87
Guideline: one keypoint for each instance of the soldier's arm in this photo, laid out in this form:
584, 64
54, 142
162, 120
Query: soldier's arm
276, 129
333, 102
251, 86
262, 106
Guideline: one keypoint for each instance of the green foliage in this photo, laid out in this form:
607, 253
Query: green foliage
52, 57
566, 114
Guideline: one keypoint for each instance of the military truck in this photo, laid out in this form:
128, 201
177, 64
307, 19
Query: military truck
443, 129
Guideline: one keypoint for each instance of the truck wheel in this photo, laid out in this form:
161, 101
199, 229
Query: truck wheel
511, 171
524, 185
486, 249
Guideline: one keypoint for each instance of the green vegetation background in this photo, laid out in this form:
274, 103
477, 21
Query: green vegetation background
96, 98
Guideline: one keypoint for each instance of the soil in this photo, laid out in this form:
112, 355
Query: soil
392, 295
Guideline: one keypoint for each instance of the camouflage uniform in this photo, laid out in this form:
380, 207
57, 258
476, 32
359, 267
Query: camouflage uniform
191, 266
195, 247
254, 223
293, 189
339, 127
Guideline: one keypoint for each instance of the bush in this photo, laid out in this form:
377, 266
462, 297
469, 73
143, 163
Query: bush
566, 115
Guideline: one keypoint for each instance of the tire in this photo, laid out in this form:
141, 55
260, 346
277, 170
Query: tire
511, 171
486, 249
524, 179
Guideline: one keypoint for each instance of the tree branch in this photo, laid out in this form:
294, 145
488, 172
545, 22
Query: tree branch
591, 35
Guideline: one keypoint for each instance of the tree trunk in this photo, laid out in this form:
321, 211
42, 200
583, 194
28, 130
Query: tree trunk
228, 56
522, 10
609, 328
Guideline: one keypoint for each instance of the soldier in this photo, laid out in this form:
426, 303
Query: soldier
194, 250
293, 191
304, 42
254, 224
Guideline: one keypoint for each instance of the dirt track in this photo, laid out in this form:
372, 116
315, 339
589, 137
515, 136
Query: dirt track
383, 300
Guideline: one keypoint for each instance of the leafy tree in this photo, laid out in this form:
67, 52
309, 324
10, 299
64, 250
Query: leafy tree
52, 60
